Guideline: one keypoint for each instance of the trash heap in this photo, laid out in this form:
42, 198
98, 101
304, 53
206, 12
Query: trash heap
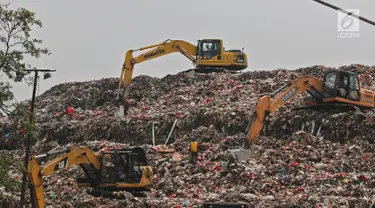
219, 101
297, 160
302, 170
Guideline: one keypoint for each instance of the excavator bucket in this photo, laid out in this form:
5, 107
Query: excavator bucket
254, 128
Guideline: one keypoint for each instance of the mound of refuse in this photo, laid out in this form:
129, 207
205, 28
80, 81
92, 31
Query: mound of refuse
218, 101
302, 170
302, 157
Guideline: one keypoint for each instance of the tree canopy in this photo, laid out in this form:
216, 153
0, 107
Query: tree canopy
16, 43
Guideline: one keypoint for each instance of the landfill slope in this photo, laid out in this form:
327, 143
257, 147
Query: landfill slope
330, 167
220, 102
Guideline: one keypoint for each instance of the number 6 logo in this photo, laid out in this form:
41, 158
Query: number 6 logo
345, 20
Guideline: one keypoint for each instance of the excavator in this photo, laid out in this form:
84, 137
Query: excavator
104, 171
339, 89
209, 55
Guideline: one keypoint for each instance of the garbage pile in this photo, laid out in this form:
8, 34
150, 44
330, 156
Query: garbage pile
222, 102
297, 160
302, 170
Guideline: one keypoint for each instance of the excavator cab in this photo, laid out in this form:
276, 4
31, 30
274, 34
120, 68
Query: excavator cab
119, 169
211, 55
209, 48
120, 166
342, 84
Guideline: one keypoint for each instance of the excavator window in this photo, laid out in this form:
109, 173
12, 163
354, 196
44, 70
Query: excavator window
208, 49
108, 169
342, 85
120, 167
329, 84
354, 88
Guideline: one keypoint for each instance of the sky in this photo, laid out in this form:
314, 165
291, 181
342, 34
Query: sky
89, 38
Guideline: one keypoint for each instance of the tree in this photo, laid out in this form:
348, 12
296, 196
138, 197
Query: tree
5, 95
16, 43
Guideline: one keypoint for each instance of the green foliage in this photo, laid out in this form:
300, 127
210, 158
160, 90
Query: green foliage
5, 163
5, 96
16, 43
20, 119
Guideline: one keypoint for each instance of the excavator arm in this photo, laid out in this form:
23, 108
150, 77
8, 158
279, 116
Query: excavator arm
284, 94
161, 49
75, 156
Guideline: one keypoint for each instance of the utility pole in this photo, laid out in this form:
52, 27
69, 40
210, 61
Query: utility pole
31, 121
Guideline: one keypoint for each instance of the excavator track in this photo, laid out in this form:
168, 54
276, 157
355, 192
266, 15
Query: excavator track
210, 70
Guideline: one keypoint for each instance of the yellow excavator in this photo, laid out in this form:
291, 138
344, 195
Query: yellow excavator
106, 171
207, 56
338, 90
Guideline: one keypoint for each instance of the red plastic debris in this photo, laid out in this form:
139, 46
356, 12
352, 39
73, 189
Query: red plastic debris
144, 108
178, 115
196, 193
251, 175
300, 188
218, 167
294, 164
69, 110
363, 178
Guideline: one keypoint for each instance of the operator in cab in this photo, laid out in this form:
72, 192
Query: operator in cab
193, 149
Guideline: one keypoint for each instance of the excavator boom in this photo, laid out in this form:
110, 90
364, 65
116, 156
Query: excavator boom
208, 55
76, 156
284, 94
161, 49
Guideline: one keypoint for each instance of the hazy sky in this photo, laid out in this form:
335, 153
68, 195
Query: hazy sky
89, 38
